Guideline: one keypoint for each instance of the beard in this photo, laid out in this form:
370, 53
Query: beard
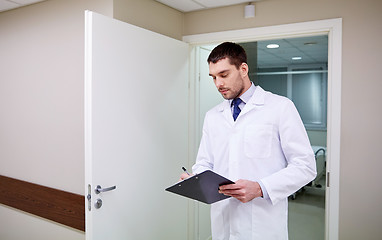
229, 93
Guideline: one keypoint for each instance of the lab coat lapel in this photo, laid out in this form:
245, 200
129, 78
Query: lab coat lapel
257, 100
225, 109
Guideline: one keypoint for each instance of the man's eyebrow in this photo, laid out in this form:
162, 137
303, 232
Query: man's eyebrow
221, 72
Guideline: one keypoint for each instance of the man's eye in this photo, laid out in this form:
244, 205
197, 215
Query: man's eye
224, 75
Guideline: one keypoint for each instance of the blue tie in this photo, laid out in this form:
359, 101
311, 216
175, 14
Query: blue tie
236, 110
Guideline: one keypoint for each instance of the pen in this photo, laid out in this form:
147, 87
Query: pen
184, 169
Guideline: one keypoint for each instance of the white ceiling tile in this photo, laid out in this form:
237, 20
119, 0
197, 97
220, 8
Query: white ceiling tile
182, 5
12, 4
221, 3
192, 5
26, 2
311, 54
6, 5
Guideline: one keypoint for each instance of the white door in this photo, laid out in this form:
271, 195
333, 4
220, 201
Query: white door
136, 123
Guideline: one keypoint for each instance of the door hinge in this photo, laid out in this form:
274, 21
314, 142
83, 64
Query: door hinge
89, 197
327, 179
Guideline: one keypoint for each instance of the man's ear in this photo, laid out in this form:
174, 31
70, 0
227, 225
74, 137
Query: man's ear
244, 69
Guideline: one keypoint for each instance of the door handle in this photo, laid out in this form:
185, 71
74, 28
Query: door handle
99, 189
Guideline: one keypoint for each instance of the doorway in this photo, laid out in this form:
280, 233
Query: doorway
294, 68
330, 28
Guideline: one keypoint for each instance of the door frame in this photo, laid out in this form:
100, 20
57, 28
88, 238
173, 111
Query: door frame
330, 27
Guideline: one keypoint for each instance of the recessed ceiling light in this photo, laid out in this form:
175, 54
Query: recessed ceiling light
273, 45
296, 58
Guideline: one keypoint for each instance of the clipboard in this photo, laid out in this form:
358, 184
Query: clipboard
202, 187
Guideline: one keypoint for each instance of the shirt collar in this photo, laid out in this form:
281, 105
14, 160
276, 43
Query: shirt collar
246, 96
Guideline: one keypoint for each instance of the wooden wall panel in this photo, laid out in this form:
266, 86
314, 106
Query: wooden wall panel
56, 205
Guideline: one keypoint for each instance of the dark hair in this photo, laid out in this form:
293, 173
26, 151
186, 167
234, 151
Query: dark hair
234, 52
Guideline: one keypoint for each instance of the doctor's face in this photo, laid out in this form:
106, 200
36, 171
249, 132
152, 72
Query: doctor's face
230, 81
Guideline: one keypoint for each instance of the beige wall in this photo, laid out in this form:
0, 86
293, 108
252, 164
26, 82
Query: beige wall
151, 15
41, 93
361, 129
41, 105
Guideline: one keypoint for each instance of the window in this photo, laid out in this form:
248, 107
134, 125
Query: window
305, 85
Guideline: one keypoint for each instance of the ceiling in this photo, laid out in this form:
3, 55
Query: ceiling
6, 5
312, 50
181, 5
194, 5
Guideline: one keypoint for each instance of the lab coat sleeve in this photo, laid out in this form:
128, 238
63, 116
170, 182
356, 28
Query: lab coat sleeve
204, 159
299, 156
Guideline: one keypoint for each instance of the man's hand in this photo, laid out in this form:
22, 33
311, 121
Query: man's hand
184, 176
243, 190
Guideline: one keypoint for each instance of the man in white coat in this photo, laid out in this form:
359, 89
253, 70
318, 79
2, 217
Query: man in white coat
260, 143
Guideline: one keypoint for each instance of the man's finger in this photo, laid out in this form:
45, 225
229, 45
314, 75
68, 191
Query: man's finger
233, 186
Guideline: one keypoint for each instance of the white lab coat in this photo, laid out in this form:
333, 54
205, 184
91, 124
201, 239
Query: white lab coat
268, 142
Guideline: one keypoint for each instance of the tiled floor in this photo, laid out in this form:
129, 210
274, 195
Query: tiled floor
307, 214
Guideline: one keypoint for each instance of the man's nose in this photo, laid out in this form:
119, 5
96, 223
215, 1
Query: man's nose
219, 82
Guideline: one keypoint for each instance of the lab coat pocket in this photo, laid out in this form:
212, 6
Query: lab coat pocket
258, 141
